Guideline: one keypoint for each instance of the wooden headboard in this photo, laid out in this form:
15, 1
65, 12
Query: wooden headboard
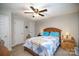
53, 30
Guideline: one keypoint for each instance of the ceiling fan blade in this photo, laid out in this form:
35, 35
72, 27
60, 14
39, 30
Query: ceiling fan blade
41, 14
32, 8
43, 10
28, 12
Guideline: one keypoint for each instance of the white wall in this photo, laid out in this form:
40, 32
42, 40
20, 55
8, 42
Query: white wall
27, 22
10, 17
31, 27
5, 28
67, 23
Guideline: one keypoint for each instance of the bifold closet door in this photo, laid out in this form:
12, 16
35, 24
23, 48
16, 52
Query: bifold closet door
5, 30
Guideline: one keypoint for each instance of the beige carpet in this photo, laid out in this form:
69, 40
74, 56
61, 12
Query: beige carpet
19, 51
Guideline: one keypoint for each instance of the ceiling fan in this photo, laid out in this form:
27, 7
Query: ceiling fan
37, 11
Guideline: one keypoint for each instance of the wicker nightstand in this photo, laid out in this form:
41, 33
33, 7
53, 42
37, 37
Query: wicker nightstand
68, 44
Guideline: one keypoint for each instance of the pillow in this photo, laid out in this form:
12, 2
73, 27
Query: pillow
55, 34
45, 33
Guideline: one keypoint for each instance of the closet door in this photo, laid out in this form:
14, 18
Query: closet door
18, 34
5, 30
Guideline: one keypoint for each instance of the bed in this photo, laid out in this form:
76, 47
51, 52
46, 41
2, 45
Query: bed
43, 45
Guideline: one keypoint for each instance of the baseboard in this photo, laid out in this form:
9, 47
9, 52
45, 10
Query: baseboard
17, 45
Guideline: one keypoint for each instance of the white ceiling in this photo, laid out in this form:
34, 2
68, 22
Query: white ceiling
54, 9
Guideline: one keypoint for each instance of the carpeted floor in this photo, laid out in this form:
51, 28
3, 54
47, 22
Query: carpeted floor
19, 51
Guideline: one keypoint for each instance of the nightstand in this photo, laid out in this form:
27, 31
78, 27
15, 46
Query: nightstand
68, 44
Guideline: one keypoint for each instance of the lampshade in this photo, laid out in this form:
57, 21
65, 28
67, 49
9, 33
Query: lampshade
67, 33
